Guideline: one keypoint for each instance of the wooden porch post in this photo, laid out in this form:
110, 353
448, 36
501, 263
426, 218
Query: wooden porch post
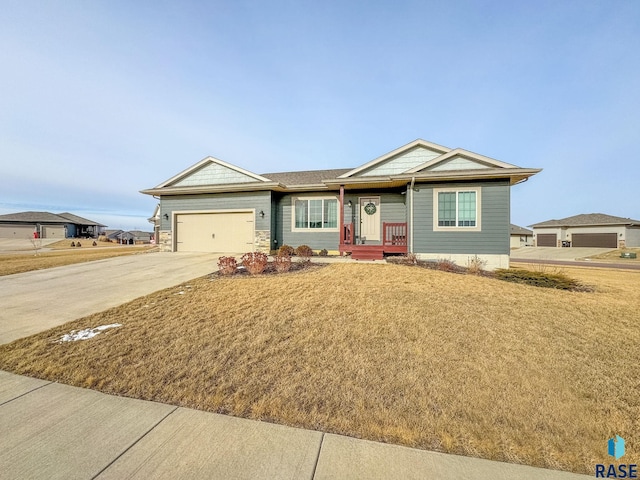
341, 207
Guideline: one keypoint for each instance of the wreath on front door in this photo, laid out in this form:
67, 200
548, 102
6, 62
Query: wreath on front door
370, 208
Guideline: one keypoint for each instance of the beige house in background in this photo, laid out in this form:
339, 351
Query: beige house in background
588, 230
520, 237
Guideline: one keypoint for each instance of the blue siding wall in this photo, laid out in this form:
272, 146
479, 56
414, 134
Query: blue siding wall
392, 209
260, 201
495, 214
284, 236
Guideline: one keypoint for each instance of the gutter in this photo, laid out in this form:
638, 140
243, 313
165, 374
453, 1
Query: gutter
413, 181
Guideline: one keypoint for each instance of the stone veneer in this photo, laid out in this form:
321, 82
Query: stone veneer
263, 241
164, 241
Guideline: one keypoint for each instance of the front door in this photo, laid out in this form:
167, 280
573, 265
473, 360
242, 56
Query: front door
370, 218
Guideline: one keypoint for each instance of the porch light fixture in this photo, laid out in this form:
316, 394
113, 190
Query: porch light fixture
166, 216
350, 204
261, 214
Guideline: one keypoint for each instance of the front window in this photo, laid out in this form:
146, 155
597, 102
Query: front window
457, 209
315, 213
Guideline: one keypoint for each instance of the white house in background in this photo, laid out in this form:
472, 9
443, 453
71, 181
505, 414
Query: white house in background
520, 236
588, 230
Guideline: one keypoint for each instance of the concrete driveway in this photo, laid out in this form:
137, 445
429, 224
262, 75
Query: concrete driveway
36, 301
551, 253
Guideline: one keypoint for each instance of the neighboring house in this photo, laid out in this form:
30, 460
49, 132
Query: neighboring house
588, 230
423, 198
47, 225
131, 237
520, 237
113, 235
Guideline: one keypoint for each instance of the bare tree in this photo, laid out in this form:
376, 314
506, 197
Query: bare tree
36, 243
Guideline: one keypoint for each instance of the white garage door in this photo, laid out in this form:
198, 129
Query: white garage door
215, 232
50, 231
17, 231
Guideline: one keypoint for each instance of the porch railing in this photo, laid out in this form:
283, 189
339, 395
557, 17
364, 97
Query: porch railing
394, 234
347, 234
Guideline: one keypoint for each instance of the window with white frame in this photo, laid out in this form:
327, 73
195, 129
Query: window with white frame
457, 209
315, 214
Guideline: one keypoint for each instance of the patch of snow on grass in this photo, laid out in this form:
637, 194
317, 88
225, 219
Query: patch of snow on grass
86, 334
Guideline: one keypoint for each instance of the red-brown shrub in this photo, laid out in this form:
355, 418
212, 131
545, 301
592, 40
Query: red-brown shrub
227, 265
255, 262
286, 250
304, 252
282, 263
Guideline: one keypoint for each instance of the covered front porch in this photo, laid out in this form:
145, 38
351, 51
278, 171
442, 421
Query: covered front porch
391, 238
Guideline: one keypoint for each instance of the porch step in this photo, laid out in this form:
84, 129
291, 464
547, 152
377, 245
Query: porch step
367, 252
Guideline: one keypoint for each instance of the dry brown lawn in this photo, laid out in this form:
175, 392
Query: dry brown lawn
433, 360
19, 263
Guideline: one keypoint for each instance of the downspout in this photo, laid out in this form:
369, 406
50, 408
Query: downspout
413, 181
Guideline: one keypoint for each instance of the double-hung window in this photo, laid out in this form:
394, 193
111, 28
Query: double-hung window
315, 214
457, 209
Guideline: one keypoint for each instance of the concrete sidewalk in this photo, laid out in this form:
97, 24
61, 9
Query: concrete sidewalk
56, 431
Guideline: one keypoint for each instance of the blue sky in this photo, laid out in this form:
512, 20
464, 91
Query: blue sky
99, 100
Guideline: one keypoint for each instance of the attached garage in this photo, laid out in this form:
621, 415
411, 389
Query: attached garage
547, 240
215, 232
604, 240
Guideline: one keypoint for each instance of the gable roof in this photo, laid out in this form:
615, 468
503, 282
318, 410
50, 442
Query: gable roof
588, 219
207, 161
416, 161
480, 160
394, 153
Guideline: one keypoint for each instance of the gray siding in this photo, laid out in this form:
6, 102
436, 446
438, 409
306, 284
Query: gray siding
402, 162
284, 235
260, 201
392, 209
495, 214
214, 174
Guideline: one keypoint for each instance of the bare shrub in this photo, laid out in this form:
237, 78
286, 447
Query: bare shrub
286, 250
36, 243
324, 252
282, 263
304, 252
227, 265
255, 262
476, 265
446, 265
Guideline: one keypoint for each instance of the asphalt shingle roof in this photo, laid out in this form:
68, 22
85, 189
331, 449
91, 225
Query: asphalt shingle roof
587, 219
47, 217
309, 177
516, 230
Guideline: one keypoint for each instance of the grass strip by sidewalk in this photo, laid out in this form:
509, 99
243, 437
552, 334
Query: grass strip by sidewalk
454, 363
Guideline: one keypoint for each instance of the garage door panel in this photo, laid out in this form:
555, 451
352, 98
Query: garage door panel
231, 232
17, 231
604, 240
547, 240
53, 232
